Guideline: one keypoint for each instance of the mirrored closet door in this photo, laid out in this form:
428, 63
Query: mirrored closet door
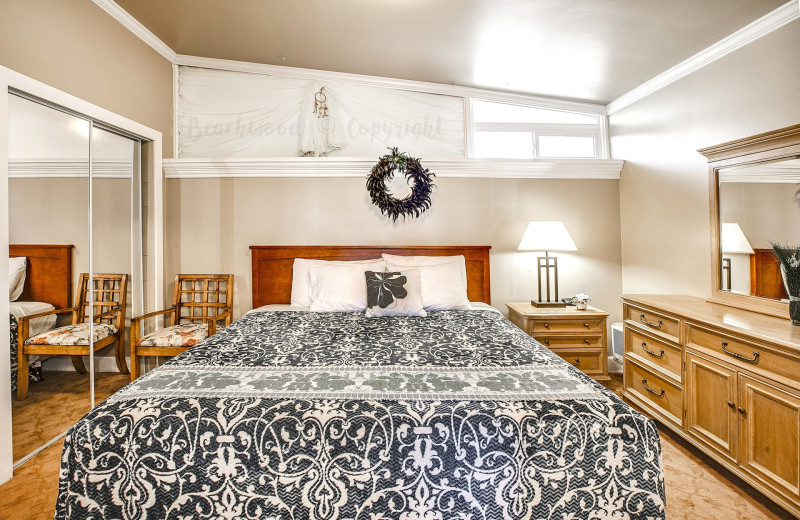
116, 252
75, 214
49, 240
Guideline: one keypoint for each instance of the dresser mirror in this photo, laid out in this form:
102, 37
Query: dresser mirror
754, 201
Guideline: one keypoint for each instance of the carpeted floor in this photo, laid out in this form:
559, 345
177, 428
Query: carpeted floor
697, 488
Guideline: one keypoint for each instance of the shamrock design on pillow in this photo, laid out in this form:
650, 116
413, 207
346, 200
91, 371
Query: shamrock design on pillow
384, 288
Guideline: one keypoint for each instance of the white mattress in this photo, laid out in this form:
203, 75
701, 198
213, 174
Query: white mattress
37, 325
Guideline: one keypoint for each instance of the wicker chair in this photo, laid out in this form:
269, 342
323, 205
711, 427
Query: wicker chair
110, 294
199, 303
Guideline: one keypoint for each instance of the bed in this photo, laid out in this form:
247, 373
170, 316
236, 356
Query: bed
304, 415
48, 285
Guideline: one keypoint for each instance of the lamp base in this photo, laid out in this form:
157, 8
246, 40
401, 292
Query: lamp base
548, 304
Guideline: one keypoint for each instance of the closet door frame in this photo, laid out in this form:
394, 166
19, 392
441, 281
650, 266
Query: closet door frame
10, 79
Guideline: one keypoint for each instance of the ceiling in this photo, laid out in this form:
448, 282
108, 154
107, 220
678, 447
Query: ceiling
588, 50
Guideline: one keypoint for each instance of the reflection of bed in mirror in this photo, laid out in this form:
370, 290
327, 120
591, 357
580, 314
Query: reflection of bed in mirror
48, 285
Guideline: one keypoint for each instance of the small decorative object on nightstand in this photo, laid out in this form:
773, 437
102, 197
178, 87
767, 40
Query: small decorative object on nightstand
579, 337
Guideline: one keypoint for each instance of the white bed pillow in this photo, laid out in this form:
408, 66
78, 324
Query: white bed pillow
421, 261
300, 275
337, 288
394, 293
442, 287
16, 276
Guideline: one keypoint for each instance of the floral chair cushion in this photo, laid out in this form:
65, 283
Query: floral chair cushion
70, 335
185, 335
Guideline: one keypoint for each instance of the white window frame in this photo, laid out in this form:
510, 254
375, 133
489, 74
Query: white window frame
599, 131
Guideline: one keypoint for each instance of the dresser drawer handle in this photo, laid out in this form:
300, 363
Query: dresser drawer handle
547, 325
742, 411
586, 341
644, 347
547, 342
731, 404
659, 394
739, 356
650, 323
578, 361
586, 325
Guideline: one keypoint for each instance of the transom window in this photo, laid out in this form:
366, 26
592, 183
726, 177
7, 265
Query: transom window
504, 131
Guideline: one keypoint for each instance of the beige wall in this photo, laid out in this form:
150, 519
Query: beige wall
75, 46
211, 224
664, 184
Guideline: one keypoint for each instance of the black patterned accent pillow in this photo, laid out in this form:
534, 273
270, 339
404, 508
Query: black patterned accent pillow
394, 294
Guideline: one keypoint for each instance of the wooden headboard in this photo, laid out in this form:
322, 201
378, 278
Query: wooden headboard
48, 277
272, 266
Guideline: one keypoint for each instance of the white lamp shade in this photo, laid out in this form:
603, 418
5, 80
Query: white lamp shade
733, 239
546, 235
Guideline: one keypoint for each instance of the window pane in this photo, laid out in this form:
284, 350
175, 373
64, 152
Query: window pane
503, 145
566, 146
487, 112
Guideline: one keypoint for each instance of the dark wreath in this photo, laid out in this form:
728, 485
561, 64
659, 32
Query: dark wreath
420, 198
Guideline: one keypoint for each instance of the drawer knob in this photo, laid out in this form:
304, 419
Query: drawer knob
547, 325
547, 342
659, 355
742, 411
577, 361
586, 341
650, 323
731, 404
586, 325
739, 356
659, 394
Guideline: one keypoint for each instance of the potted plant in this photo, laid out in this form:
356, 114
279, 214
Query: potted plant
789, 260
580, 301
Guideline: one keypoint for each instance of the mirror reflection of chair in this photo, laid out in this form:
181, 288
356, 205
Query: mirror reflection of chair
199, 303
109, 294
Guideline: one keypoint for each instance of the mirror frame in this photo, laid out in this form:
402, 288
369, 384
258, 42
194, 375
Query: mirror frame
762, 148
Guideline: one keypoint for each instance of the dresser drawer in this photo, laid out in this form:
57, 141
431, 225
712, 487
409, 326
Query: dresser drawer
655, 322
574, 342
661, 353
665, 396
543, 326
590, 362
750, 356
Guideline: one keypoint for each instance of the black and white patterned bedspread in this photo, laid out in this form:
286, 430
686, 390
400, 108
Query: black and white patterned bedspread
290, 415
35, 367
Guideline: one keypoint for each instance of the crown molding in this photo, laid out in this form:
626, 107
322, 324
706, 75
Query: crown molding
398, 84
748, 34
136, 27
340, 167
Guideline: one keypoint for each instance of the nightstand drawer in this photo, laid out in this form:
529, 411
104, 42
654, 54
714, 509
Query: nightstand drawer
590, 362
652, 350
665, 395
543, 326
575, 342
655, 322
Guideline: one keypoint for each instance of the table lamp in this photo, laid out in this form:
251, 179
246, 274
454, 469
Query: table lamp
732, 241
547, 235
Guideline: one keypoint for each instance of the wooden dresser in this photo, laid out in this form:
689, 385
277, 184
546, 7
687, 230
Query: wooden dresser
579, 337
725, 379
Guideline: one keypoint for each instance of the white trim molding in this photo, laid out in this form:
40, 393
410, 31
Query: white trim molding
293, 167
748, 34
398, 84
136, 27
69, 168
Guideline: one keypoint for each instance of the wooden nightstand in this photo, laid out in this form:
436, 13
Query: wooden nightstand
579, 337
